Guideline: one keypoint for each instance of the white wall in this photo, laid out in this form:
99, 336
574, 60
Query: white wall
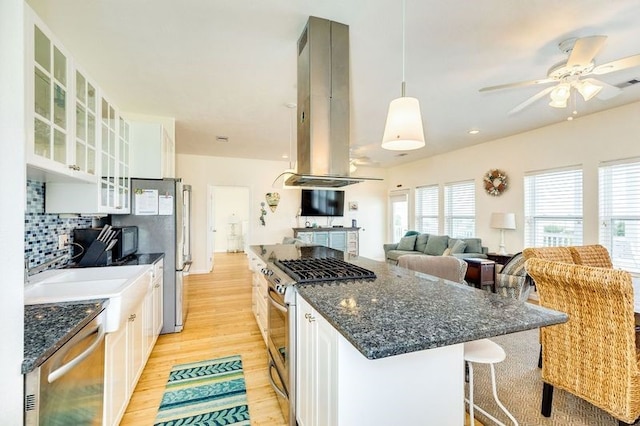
258, 176
585, 141
12, 175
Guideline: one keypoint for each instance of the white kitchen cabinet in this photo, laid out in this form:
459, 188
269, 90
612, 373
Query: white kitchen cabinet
55, 145
116, 394
259, 302
317, 384
337, 385
127, 349
157, 312
152, 151
136, 343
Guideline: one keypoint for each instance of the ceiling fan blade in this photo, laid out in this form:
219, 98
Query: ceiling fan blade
620, 64
608, 91
584, 50
518, 84
531, 100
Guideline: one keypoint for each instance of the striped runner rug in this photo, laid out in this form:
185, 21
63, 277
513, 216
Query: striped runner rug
205, 393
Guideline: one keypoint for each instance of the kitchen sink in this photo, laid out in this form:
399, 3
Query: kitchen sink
124, 286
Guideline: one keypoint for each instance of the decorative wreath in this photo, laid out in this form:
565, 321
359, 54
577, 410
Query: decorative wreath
495, 182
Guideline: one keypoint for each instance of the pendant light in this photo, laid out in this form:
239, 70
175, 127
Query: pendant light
403, 130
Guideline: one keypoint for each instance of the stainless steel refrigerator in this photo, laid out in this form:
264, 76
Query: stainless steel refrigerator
161, 209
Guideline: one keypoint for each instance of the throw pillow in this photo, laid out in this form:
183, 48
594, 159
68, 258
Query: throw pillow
447, 252
421, 242
436, 245
407, 243
410, 233
474, 245
458, 247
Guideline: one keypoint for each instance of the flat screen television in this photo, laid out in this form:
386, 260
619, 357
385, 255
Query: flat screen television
322, 202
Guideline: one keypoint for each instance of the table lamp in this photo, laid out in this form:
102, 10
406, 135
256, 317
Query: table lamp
503, 221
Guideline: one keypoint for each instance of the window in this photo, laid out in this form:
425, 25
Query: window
553, 208
460, 209
620, 212
427, 209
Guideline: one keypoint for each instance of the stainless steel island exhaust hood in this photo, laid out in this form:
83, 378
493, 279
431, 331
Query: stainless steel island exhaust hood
323, 106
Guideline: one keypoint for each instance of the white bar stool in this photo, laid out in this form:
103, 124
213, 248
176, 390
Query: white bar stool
484, 351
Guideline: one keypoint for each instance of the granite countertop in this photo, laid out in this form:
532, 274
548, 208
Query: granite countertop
49, 326
402, 311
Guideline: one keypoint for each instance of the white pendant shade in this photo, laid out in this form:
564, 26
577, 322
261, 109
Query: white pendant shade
403, 130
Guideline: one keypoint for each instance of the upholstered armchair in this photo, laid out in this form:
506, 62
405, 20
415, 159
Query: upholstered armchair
593, 355
447, 267
512, 280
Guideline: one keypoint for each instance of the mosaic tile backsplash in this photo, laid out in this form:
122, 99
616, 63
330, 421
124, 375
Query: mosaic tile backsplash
42, 229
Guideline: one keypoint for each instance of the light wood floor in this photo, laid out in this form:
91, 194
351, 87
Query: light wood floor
219, 323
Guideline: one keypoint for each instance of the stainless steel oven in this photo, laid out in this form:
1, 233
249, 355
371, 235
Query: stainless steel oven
281, 345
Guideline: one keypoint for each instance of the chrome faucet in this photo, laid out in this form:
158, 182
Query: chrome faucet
30, 271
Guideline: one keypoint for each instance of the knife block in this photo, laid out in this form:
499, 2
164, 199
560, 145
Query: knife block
96, 255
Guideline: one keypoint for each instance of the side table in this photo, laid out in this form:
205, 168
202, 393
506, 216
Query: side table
481, 273
500, 259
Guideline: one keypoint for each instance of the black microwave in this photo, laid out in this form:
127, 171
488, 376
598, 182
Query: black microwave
126, 245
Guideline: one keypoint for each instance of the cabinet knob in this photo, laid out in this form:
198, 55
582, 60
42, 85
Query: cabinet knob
132, 317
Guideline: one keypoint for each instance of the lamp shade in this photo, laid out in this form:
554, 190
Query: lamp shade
403, 130
503, 220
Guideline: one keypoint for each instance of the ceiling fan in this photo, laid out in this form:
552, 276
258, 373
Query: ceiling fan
570, 74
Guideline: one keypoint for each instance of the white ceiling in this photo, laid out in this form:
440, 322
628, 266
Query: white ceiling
227, 68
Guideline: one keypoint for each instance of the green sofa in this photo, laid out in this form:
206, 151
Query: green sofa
435, 245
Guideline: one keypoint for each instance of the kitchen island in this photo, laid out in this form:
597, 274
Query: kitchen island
390, 350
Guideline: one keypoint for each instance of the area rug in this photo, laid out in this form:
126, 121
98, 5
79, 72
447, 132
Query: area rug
520, 389
205, 393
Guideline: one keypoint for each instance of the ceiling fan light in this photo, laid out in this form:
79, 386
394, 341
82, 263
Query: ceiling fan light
588, 90
403, 130
561, 93
558, 104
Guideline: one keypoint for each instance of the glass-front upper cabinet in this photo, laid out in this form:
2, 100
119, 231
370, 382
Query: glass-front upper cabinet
108, 163
123, 165
50, 104
58, 141
85, 128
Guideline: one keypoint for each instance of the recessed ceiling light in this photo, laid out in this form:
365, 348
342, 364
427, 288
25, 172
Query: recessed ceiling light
474, 131
285, 156
222, 138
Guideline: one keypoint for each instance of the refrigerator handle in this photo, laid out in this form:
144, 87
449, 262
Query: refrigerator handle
186, 266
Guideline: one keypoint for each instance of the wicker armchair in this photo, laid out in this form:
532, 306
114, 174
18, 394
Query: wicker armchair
447, 267
557, 254
593, 255
593, 355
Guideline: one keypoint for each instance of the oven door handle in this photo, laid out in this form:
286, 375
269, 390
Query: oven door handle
275, 303
272, 367
59, 372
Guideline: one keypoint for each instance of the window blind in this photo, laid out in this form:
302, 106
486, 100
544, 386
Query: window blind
460, 209
553, 208
427, 209
619, 202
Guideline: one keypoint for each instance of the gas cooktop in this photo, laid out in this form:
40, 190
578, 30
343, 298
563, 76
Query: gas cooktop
309, 270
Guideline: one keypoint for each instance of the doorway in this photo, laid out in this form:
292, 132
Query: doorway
227, 220
399, 206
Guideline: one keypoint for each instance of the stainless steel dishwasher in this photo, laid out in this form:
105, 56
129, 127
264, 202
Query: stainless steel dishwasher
68, 388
